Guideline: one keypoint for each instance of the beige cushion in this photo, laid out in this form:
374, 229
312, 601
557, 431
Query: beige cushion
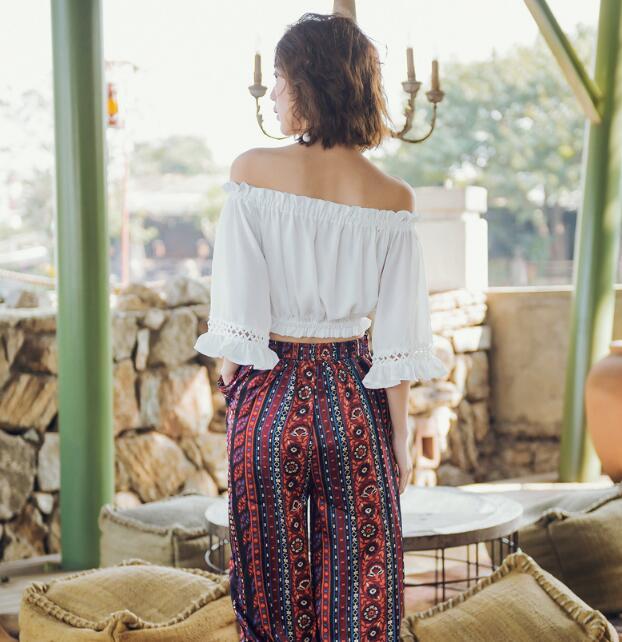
582, 548
171, 532
535, 502
131, 602
519, 602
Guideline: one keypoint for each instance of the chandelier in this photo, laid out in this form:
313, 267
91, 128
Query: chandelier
411, 86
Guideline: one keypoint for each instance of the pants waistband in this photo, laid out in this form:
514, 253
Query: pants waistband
319, 351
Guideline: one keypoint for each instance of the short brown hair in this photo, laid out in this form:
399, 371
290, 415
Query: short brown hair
333, 72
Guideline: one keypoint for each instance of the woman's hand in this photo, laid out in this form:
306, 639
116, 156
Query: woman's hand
403, 457
229, 368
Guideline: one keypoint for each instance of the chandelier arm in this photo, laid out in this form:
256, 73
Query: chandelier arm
399, 134
409, 114
260, 122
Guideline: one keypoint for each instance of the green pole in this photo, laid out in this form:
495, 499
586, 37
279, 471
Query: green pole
83, 334
596, 247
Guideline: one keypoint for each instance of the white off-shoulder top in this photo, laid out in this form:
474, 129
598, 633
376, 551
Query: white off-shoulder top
307, 267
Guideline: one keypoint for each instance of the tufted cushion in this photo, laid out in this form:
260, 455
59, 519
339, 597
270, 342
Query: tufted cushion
134, 601
171, 532
583, 548
519, 602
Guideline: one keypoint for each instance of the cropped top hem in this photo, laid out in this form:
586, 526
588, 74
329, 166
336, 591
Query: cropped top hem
238, 350
341, 328
277, 202
424, 366
300, 266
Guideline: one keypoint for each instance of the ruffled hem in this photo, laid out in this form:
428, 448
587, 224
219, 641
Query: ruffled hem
276, 201
337, 329
237, 350
420, 368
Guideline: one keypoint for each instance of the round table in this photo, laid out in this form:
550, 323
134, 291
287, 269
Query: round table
440, 517
433, 519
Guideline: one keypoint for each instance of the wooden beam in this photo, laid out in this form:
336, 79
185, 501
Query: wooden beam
83, 330
597, 246
585, 89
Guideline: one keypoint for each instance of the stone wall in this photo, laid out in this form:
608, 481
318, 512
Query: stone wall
168, 414
497, 414
529, 352
456, 409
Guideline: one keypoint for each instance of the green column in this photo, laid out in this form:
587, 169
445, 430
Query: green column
85, 362
596, 247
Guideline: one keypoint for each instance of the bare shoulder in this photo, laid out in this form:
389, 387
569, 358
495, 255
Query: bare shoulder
386, 191
244, 166
251, 165
402, 194
406, 196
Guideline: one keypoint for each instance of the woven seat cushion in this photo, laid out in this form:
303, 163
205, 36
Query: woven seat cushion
536, 502
519, 602
133, 601
171, 532
583, 548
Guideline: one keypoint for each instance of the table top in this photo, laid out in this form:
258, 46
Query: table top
443, 516
432, 517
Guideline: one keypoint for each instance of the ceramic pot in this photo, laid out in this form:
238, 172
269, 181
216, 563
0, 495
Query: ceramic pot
603, 410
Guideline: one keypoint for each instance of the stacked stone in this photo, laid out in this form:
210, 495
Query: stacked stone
458, 407
168, 415
29, 475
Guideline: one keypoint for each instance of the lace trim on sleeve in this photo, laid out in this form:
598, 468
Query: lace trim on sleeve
386, 356
240, 344
228, 329
390, 367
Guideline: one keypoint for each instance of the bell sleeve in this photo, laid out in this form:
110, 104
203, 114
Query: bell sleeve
402, 329
240, 317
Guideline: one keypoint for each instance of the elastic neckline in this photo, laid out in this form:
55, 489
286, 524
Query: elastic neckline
320, 205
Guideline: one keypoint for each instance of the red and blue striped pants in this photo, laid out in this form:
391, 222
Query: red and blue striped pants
307, 435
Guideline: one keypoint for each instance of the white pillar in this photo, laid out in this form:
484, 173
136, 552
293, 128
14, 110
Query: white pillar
454, 236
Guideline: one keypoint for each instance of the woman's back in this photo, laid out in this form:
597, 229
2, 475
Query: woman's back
296, 262
339, 174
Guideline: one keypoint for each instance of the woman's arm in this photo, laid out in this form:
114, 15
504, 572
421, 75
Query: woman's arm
228, 370
397, 397
239, 315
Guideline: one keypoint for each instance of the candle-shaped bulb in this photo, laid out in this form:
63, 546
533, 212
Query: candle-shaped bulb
435, 83
257, 76
411, 64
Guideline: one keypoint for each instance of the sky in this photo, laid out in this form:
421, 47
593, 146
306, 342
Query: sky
194, 58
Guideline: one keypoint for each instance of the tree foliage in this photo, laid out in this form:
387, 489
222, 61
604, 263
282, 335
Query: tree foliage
512, 125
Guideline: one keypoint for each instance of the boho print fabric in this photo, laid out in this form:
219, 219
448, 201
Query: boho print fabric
308, 435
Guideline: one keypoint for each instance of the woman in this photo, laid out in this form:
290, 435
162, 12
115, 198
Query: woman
312, 239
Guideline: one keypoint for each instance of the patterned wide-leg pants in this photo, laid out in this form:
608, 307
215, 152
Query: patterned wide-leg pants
308, 436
